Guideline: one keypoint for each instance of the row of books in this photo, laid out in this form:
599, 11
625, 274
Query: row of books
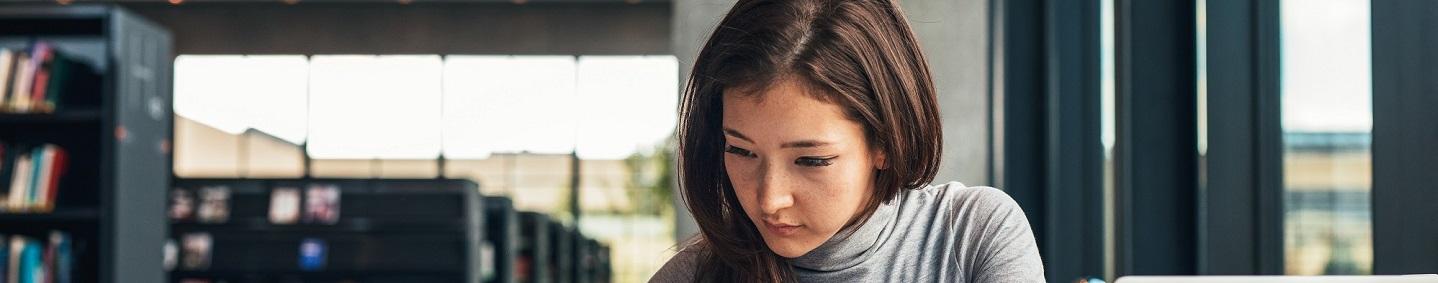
31, 260
30, 177
321, 204
35, 80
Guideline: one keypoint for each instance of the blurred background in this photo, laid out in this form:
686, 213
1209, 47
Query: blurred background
1190, 137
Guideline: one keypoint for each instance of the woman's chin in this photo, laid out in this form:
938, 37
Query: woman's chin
790, 248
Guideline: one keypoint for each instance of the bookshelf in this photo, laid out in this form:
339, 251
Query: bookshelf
501, 238
115, 128
532, 262
385, 230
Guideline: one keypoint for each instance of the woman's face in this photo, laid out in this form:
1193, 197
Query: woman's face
800, 167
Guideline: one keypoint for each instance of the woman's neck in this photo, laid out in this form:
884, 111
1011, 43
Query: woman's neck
852, 245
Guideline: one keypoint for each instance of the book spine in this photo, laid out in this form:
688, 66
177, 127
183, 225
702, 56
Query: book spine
30, 265
64, 259
43, 56
19, 183
58, 162
17, 249
6, 166
42, 177
37, 158
47, 263
23, 74
7, 74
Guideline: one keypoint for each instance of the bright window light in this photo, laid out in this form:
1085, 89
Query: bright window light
508, 104
629, 103
235, 93
375, 107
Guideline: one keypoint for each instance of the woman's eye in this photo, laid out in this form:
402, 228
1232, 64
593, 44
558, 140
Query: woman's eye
814, 161
739, 151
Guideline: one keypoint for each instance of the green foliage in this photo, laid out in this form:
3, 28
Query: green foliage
651, 179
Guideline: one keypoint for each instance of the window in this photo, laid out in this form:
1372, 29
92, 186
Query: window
1327, 121
510, 123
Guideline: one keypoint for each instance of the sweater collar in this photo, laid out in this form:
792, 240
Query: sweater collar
853, 245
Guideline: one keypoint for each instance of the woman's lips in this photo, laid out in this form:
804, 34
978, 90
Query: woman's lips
781, 229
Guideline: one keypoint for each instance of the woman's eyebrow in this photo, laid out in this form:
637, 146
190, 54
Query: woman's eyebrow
792, 144
804, 144
735, 133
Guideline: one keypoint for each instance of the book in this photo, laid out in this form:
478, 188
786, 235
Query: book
31, 267
47, 261
312, 254
45, 161
322, 204
20, 183
7, 71
17, 247
57, 160
62, 264
41, 56
182, 205
37, 168
284, 205
67, 77
36, 81
196, 255
23, 76
34, 176
172, 255
487, 268
214, 204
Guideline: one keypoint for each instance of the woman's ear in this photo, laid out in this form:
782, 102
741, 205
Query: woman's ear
881, 160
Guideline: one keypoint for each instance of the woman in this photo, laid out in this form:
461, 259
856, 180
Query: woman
808, 135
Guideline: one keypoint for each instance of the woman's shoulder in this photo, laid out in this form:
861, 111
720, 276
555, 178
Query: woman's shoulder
958, 196
681, 267
993, 231
960, 205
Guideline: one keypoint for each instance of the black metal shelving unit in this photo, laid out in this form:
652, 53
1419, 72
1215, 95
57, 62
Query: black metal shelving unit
388, 230
501, 238
117, 134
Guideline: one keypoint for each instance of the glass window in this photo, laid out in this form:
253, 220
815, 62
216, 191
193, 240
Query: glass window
509, 123
1327, 120
636, 99
508, 104
240, 115
374, 107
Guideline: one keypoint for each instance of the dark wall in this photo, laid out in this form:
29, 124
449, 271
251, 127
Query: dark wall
417, 28
1405, 199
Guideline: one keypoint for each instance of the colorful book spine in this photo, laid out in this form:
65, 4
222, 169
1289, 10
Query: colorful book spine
36, 79
35, 174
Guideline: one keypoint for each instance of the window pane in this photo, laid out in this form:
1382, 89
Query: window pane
630, 104
1327, 120
508, 104
1108, 127
240, 116
374, 107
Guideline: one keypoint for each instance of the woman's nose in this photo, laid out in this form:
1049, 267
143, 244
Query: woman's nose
774, 192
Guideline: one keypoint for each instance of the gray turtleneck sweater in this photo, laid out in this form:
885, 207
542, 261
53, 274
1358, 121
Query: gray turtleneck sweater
939, 233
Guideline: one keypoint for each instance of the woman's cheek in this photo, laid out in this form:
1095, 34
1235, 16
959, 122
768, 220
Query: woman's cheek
740, 172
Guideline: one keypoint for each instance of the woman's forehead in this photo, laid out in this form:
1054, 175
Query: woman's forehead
786, 112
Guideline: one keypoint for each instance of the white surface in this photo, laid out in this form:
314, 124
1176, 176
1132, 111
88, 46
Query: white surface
1424, 278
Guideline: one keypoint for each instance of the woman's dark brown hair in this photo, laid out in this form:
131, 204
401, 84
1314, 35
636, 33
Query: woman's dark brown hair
858, 54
